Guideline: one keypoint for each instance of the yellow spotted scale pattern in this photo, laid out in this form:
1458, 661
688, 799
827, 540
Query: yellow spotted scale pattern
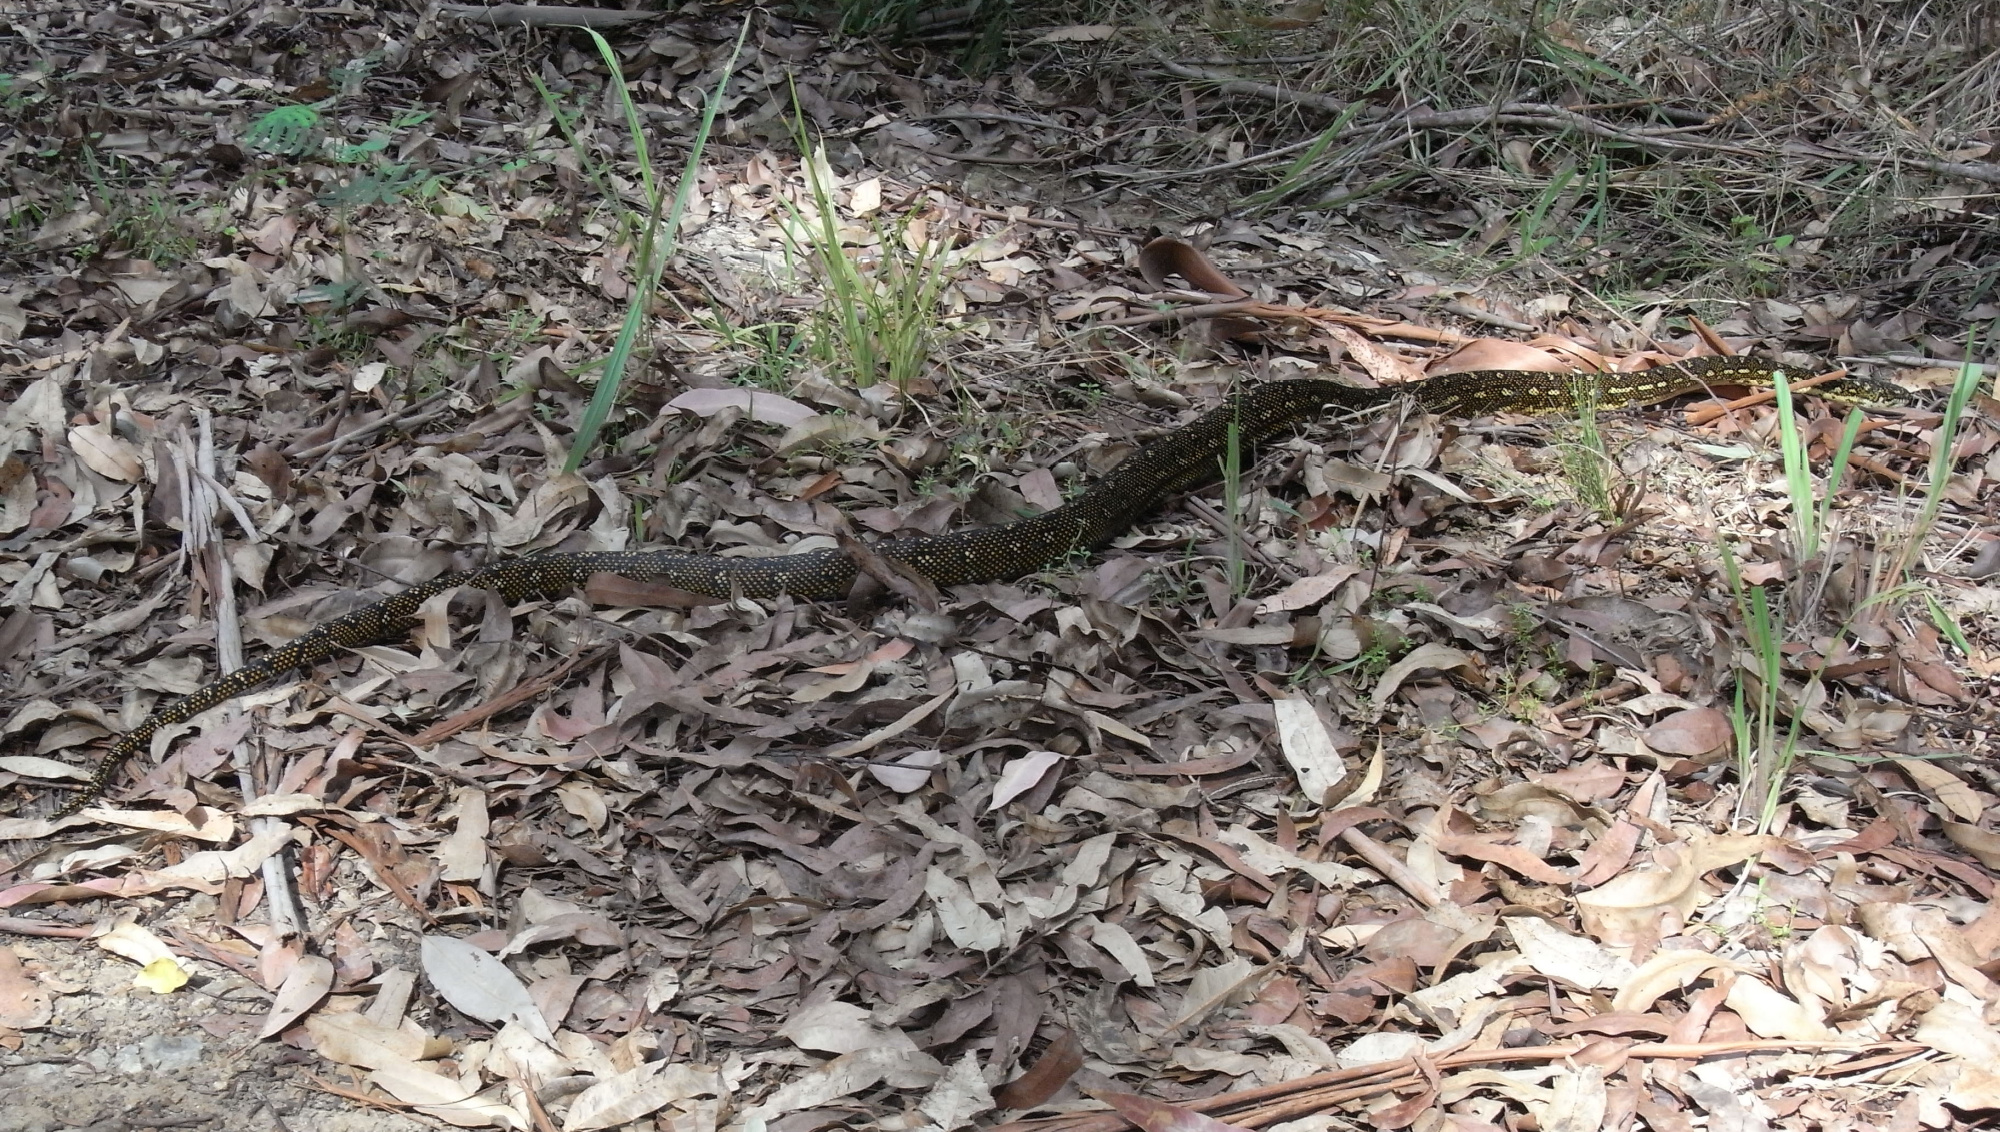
1183, 459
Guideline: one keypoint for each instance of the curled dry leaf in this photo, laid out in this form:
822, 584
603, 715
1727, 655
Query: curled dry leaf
1307, 592
1020, 775
908, 774
1665, 972
1637, 905
1498, 353
130, 941
35, 766
446, 1098
843, 1076
968, 925
1119, 944
839, 1027
1955, 1028
1983, 844
1427, 655
1769, 1013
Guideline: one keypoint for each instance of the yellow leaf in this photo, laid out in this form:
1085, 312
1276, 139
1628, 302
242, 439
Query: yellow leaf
161, 976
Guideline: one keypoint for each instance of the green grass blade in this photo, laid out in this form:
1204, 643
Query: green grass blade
1943, 443
662, 232
1798, 474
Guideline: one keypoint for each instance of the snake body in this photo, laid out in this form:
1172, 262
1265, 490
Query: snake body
1182, 459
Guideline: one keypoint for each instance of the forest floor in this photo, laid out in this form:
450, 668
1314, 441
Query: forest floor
1560, 773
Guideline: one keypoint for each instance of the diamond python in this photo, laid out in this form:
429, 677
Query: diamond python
1182, 459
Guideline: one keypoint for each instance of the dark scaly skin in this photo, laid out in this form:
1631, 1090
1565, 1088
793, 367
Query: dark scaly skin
1177, 462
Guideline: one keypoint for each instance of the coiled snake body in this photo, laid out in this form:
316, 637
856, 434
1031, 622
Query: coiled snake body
1176, 462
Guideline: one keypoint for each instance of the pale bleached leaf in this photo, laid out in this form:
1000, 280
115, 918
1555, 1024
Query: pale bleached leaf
480, 985
1020, 775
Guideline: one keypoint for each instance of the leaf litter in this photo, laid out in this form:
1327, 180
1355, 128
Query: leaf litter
1390, 790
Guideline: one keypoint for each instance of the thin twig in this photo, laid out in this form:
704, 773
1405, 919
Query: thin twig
1394, 870
519, 694
410, 415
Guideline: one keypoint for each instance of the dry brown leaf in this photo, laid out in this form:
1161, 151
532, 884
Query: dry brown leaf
1428, 655
1955, 1028
106, 453
1643, 904
356, 1039
134, 942
1665, 972
1076, 33
24, 1003
1019, 776
958, 1096
445, 1098
1571, 959
1309, 748
1494, 848
843, 1076
462, 856
1150, 1115
969, 925
1963, 801
1983, 844
1308, 592
756, 404
480, 985
1772, 1014
1497, 353
308, 982
908, 774
639, 1091
1691, 733
1050, 1072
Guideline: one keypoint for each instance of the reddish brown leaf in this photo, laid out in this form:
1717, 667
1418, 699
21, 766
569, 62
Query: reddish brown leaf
1150, 1115
1047, 1075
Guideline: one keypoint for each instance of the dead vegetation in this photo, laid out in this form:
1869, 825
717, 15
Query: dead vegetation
1625, 771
